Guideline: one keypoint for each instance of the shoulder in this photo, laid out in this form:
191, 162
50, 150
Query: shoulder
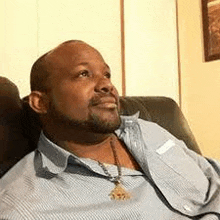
21, 168
17, 181
154, 134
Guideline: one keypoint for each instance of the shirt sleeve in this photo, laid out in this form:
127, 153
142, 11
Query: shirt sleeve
7, 213
211, 170
189, 182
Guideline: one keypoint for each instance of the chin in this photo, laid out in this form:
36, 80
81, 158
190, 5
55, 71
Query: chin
104, 125
97, 122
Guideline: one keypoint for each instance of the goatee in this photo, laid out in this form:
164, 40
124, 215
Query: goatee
94, 123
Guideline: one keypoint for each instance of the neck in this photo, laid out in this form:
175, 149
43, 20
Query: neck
93, 146
82, 143
97, 151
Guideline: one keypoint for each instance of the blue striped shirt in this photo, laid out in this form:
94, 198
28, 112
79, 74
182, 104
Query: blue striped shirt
52, 183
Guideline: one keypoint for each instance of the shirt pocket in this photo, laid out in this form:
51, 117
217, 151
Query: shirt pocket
173, 168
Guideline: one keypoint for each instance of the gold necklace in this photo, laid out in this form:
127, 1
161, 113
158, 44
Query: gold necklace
118, 193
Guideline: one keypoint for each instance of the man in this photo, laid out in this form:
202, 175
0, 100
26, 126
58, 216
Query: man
93, 164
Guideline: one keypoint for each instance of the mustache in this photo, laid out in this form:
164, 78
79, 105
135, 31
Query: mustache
98, 99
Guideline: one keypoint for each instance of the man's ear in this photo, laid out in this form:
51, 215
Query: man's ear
39, 102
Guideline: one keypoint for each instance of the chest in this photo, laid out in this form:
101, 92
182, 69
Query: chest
85, 195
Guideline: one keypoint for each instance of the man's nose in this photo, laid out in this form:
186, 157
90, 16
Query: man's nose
104, 85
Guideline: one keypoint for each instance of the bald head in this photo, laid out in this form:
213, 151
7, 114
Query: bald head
71, 87
54, 61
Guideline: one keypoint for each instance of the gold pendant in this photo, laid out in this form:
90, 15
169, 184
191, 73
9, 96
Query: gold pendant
119, 193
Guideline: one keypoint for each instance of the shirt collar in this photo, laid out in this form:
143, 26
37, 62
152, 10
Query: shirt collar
55, 158
126, 123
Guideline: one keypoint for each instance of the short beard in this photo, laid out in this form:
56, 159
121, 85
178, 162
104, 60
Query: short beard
92, 124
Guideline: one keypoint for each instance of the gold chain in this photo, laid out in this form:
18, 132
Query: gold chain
118, 193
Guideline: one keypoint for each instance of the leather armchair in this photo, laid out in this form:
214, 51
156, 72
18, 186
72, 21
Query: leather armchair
20, 126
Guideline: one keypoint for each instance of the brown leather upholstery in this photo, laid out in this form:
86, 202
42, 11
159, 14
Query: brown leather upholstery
13, 144
20, 126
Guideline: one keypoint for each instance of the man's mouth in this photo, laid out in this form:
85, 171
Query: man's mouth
107, 105
108, 102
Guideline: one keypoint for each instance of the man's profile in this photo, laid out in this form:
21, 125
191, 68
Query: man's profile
92, 163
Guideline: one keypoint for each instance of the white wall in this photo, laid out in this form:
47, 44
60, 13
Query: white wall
32, 27
200, 80
95, 22
19, 41
151, 48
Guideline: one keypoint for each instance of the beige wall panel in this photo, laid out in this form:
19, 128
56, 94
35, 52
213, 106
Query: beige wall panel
151, 48
96, 22
2, 31
18, 41
200, 80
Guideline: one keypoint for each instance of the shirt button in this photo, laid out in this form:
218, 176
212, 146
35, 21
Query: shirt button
187, 208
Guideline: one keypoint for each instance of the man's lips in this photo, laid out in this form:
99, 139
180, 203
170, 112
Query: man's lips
106, 102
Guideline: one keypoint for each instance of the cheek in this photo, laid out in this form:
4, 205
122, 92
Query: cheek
72, 102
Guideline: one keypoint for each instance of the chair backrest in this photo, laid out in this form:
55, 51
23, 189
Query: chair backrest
20, 125
163, 111
13, 143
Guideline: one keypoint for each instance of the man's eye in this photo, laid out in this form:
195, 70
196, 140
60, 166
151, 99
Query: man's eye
107, 75
84, 73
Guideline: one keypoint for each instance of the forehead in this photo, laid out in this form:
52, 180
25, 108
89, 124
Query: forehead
72, 54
